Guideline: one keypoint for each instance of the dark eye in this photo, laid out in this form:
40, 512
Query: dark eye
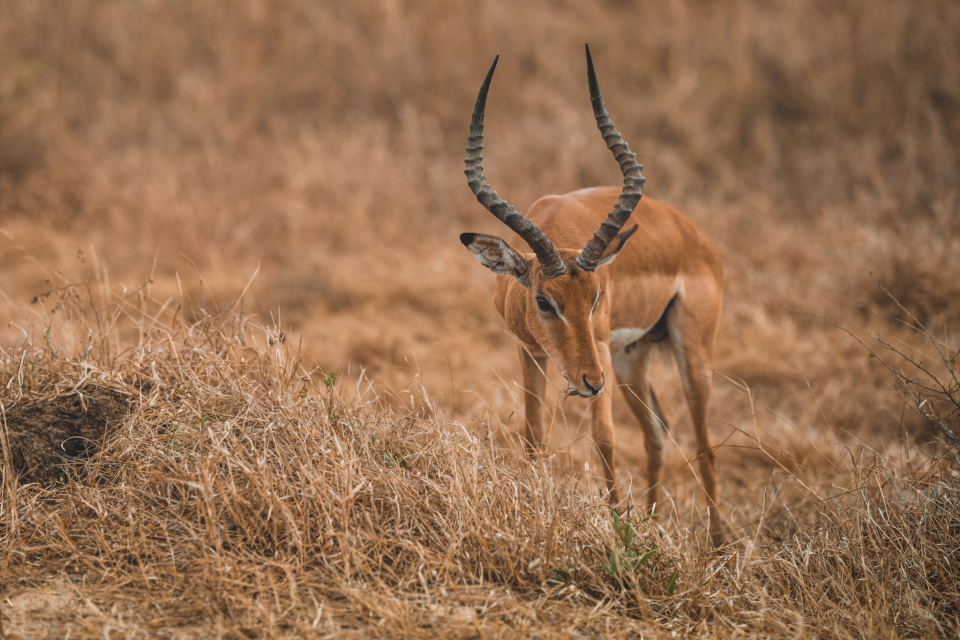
544, 306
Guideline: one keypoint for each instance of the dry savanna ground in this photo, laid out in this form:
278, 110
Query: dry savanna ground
253, 386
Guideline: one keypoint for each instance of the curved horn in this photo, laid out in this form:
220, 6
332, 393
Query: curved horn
632, 179
551, 265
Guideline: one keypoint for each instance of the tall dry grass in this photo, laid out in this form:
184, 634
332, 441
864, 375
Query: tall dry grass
320, 146
244, 496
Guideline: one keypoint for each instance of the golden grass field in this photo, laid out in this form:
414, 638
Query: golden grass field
227, 203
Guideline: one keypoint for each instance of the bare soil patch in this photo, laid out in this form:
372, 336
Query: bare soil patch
49, 436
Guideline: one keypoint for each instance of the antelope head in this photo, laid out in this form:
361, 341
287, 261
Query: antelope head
561, 291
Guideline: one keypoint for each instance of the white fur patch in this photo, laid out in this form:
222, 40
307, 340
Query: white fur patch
620, 338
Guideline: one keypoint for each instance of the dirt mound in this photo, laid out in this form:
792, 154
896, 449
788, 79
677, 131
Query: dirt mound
50, 433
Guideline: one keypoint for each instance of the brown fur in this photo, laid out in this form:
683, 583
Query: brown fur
669, 259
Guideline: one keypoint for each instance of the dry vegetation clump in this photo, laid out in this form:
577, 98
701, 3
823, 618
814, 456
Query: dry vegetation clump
244, 496
41, 434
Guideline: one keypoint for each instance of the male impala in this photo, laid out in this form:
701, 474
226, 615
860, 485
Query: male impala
600, 310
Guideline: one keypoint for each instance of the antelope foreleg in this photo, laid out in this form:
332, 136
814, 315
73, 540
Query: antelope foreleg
603, 435
534, 385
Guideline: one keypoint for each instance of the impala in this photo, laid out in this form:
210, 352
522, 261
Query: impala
598, 312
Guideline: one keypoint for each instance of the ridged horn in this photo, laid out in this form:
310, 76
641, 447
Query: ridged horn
551, 265
633, 181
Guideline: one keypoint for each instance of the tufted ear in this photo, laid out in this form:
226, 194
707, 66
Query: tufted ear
614, 247
498, 256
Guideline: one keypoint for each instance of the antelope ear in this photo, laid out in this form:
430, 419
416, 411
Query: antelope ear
614, 247
498, 256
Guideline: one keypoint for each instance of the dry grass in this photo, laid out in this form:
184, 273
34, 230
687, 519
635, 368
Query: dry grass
244, 496
323, 142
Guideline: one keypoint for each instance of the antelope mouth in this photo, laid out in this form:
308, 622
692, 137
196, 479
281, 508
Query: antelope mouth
588, 392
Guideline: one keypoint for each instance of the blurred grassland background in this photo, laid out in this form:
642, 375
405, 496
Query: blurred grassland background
817, 143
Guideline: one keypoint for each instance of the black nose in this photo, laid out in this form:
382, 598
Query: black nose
594, 391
